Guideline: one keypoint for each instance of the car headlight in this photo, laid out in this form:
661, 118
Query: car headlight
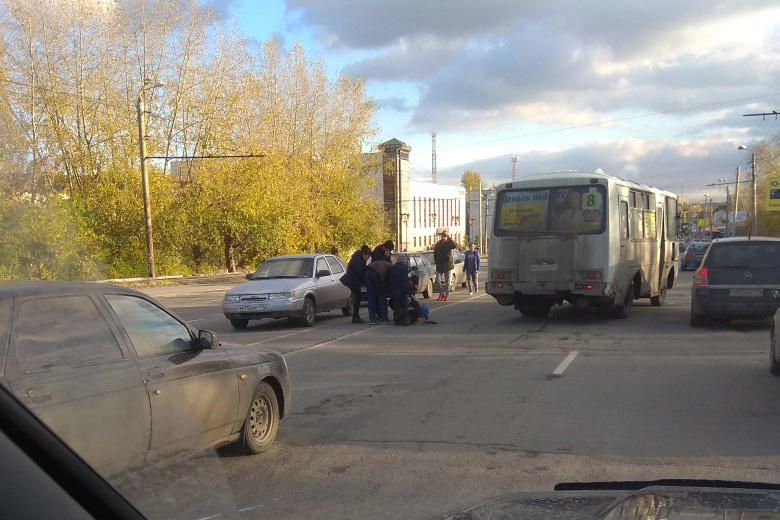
280, 296
232, 297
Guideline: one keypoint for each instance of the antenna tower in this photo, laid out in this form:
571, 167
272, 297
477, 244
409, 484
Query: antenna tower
513, 160
433, 157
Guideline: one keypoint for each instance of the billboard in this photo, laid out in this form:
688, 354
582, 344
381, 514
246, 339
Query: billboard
773, 194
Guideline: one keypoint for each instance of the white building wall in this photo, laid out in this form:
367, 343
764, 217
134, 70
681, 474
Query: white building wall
431, 208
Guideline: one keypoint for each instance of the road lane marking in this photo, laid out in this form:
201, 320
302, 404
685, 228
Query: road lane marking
329, 341
565, 363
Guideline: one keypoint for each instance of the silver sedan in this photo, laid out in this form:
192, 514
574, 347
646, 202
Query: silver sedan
290, 286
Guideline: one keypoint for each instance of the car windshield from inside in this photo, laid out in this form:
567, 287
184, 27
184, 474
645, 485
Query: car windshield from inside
745, 255
285, 268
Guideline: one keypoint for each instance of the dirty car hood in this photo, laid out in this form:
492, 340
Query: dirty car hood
647, 503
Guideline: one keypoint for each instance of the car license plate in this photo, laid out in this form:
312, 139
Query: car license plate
746, 293
250, 308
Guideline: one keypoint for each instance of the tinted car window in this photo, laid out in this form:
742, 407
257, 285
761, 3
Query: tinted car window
151, 330
742, 255
5, 327
75, 332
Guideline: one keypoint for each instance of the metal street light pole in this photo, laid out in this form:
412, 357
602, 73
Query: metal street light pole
753, 182
141, 108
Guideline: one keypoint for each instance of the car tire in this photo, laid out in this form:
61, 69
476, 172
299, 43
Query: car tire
658, 300
623, 310
307, 313
428, 291
349, 307
463, 284
261, 422
774, 365
239, 323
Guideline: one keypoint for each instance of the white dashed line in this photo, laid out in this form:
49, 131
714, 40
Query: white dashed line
565, 363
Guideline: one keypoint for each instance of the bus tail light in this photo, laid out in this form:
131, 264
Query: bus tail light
591, 275
499, 274
700, 278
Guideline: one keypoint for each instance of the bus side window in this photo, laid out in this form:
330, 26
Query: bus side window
624, 220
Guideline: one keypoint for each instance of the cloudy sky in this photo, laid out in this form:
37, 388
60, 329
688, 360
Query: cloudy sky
652, 91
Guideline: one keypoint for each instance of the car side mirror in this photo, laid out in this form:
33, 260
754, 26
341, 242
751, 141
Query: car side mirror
249, 276
207, 339
323, 272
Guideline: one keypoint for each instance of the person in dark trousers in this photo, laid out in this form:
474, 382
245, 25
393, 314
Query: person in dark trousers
353, 279
382, 251
471, 266
442, 256
375, 277
400, 290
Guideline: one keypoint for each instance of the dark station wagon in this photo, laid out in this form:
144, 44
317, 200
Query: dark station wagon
738, 278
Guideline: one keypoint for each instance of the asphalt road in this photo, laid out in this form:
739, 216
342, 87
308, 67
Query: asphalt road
415, 422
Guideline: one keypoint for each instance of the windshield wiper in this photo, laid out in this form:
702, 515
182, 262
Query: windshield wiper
630, 485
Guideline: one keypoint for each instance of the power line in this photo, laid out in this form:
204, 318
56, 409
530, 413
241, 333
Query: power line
609, 121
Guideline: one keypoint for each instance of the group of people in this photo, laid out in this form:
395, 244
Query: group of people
380, 276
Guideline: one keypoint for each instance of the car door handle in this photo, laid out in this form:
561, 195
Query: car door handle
156, 373
39, 395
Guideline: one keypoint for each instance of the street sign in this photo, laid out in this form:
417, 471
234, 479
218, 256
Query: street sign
773, 194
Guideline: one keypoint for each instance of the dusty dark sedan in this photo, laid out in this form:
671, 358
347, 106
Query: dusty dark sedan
693, 255
126, 383
738, 278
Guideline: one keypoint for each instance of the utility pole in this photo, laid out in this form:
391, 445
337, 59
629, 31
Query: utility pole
479, 207
433, 157
727, 210
140, 107
736, 201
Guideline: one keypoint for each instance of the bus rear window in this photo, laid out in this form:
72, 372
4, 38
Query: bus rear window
574, 209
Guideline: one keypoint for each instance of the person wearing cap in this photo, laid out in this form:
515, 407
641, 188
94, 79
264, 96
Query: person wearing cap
442, 256
383, 251
471, 266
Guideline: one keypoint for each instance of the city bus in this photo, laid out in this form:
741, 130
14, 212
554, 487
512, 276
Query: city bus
589, 239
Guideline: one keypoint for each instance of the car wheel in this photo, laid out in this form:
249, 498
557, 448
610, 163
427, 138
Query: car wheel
623, 311
428, 291
658, 300
463, 283
774, 365
239, 323
347, 309
307, 314
262, 420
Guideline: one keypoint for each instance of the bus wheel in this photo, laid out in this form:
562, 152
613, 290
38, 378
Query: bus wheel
624, 310
658, 300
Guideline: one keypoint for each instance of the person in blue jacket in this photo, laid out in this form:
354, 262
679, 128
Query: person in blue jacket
471, 266
400, 290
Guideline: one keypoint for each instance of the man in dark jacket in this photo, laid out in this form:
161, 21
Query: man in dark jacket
400, 290
353, 279
442, 256
382, 251
375, 277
